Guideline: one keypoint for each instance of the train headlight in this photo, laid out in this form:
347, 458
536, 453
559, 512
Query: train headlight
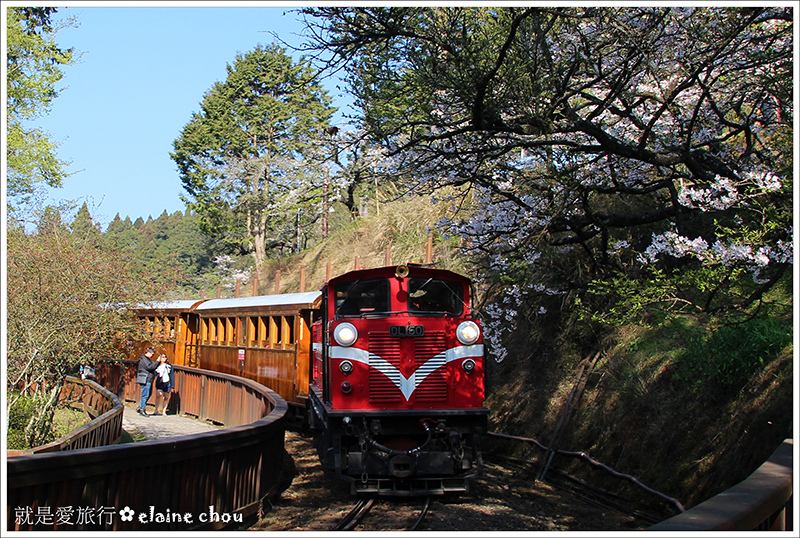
469, 365
346, 367
468, 332
345, 334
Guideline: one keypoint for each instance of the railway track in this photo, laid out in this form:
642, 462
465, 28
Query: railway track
505, 498
363, 507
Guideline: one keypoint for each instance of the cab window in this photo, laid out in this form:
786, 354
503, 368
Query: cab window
362, 297
434, 295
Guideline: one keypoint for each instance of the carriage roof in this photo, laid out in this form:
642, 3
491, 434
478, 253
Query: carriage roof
304, 299
182, 305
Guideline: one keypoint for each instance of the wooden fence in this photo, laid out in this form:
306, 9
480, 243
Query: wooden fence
205, 481
100, 404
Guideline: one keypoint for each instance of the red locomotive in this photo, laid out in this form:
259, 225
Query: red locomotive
397, 381
386, 363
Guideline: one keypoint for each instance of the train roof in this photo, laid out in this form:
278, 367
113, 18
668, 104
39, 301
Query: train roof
185, 304
283, 299
411, 269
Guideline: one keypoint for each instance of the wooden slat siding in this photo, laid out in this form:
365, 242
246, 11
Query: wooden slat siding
761, 500
101, 404
273, 368
233, 469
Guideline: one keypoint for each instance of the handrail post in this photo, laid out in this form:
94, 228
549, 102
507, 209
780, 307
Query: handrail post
202, 407
429, 249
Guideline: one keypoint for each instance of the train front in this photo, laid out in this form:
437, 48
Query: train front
397, 384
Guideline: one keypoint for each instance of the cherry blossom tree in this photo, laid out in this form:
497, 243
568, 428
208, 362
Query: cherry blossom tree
616, 158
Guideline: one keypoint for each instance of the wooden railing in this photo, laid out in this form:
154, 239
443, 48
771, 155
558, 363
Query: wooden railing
100, 404
194, 482
223, 399
763, 501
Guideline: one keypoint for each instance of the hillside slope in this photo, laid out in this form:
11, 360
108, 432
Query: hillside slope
686, 438
402, 227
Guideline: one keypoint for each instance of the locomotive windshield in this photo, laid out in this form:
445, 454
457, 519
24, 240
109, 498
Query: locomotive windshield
373, 296
362, 297
434, 295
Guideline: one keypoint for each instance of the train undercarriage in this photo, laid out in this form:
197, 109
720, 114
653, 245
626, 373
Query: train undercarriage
401, 453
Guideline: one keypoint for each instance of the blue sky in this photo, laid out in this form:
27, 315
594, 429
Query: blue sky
142, 72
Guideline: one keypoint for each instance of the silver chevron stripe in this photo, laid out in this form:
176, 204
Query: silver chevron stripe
407, 386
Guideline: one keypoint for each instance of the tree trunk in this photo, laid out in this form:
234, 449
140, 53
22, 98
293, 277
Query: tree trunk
39, 430
260, 246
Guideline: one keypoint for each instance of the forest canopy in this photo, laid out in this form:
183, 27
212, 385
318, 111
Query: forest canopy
620, 159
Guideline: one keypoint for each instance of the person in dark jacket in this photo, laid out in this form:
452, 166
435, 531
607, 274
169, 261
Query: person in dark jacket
165, 384
144, 377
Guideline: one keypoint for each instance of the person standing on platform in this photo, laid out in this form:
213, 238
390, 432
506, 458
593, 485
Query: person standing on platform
144, 377
165, 384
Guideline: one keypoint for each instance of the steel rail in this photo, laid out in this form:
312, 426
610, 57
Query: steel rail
422, 514
361, 509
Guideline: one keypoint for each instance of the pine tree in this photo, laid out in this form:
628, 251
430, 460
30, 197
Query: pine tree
247, 158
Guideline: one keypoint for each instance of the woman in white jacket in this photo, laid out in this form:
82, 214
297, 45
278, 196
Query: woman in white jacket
165, 384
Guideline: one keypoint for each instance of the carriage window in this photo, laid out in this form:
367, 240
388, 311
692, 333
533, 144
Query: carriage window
362, 297
288, 330
250, 332
230, 332
204, 331
434, 295
167, 329
213, 333
149, 324
263, 331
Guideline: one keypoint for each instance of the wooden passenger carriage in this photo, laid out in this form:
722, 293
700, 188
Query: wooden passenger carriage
265, 338
172, 331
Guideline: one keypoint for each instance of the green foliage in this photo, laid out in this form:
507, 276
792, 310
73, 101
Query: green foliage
170, 246
620, 158
23, 409
65, 289
249, 160
729, 356
679, 286
19, 414
61, 292
622, 300
34, 65
83, 227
